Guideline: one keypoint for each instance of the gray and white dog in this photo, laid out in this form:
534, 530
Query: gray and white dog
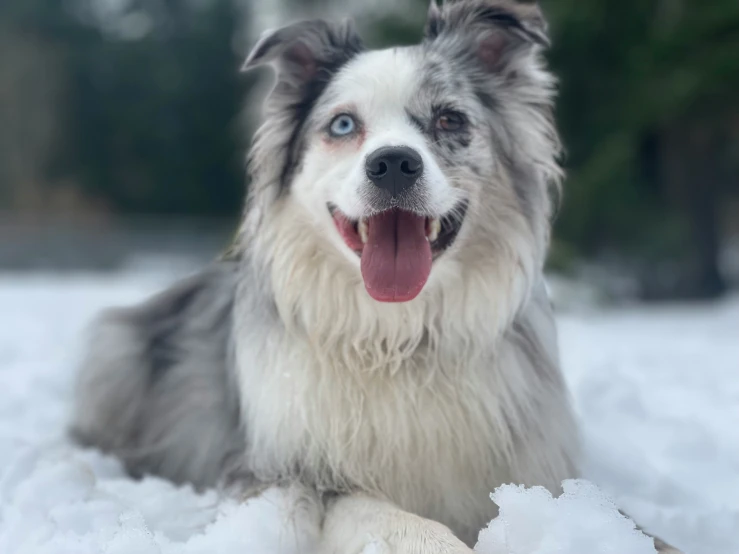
381, 341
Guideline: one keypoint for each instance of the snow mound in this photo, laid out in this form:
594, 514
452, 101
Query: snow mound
655, 390
60, 500
581, 521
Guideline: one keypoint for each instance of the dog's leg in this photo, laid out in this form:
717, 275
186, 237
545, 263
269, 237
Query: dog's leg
661, 546
664, 548
358, 524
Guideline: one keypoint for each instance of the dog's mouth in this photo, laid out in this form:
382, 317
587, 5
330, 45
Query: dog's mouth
397, 248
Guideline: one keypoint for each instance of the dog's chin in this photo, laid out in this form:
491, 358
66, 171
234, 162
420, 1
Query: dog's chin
397, 248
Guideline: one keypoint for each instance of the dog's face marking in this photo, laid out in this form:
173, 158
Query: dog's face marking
382, 92
401, 155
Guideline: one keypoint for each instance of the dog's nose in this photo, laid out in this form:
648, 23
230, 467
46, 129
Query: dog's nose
394, 168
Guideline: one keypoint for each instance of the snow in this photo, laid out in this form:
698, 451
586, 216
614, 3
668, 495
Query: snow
581, 520
655, 389
657, 393
61, 500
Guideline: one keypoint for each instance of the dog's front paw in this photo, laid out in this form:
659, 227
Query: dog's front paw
415, 535
364, 525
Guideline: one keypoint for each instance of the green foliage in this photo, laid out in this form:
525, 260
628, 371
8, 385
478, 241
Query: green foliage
629, 70
157, 118
152, 119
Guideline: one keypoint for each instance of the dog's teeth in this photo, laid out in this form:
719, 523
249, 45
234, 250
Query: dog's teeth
434, 229
363, 229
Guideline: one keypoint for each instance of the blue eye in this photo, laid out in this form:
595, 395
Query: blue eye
342, 125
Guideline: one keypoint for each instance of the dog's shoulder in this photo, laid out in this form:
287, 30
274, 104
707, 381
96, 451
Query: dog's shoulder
534, 332
154, 386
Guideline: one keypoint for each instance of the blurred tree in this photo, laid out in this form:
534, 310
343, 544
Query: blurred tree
157, 113
149, 93
34, 85
647, 91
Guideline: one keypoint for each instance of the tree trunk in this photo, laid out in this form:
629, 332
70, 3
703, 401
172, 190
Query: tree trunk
690, 174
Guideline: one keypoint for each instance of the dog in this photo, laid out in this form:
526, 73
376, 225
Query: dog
379, 338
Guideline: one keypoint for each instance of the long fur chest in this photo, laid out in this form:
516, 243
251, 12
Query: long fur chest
435, 440
431, 404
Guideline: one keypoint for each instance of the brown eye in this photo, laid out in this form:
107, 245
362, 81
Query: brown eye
450, 121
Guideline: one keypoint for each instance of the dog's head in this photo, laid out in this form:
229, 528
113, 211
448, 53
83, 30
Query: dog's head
411, 159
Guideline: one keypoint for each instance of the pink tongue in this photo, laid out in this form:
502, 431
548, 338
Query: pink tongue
396, 260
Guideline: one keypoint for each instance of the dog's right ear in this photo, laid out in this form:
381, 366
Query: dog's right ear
306, 50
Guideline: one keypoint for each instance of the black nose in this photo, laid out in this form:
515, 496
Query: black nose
394, 168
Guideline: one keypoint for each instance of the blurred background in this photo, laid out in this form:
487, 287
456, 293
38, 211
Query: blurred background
124, 125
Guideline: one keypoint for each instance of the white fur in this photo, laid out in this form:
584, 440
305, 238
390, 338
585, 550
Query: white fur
428, 404
425, 425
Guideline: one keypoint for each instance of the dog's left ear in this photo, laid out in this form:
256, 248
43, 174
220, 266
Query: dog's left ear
306, 50
499, 30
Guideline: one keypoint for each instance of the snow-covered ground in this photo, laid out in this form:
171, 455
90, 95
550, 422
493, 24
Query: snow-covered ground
656, 391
